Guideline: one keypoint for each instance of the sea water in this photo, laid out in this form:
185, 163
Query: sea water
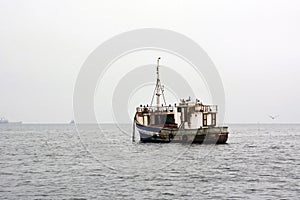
259, 161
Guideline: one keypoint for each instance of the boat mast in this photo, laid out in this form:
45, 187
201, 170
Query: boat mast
159, 90
158, 85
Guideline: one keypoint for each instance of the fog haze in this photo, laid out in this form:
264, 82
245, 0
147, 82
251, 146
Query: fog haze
254, 45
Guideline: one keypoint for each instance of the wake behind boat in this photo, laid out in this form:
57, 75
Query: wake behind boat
186, 122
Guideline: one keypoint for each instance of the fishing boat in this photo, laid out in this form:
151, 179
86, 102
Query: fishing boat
3, 120
185, 122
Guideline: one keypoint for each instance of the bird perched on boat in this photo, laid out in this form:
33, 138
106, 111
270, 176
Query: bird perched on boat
273, 117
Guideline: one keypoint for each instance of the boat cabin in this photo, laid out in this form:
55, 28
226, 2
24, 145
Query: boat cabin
188, 114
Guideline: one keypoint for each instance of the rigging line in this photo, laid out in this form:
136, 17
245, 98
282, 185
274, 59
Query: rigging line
133, 130
163, 94
153, 95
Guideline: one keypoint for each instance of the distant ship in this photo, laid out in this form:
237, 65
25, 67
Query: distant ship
186, 122
5, 121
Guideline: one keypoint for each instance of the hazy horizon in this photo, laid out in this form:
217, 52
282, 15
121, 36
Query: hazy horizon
253, 44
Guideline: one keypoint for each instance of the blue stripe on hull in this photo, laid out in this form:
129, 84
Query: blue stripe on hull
147, 128
146, 133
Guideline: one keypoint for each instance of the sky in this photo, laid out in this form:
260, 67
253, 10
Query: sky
253, 44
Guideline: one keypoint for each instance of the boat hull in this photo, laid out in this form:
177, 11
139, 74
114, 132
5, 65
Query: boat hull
207, 135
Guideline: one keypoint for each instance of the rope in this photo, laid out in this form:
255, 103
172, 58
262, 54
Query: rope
133, 131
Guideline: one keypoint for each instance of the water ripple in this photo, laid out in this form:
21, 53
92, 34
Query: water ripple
49, 162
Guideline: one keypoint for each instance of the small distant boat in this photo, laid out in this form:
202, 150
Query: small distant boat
5, 121
186, 122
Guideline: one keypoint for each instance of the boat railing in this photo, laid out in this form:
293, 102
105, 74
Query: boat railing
151, 109
209, 108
